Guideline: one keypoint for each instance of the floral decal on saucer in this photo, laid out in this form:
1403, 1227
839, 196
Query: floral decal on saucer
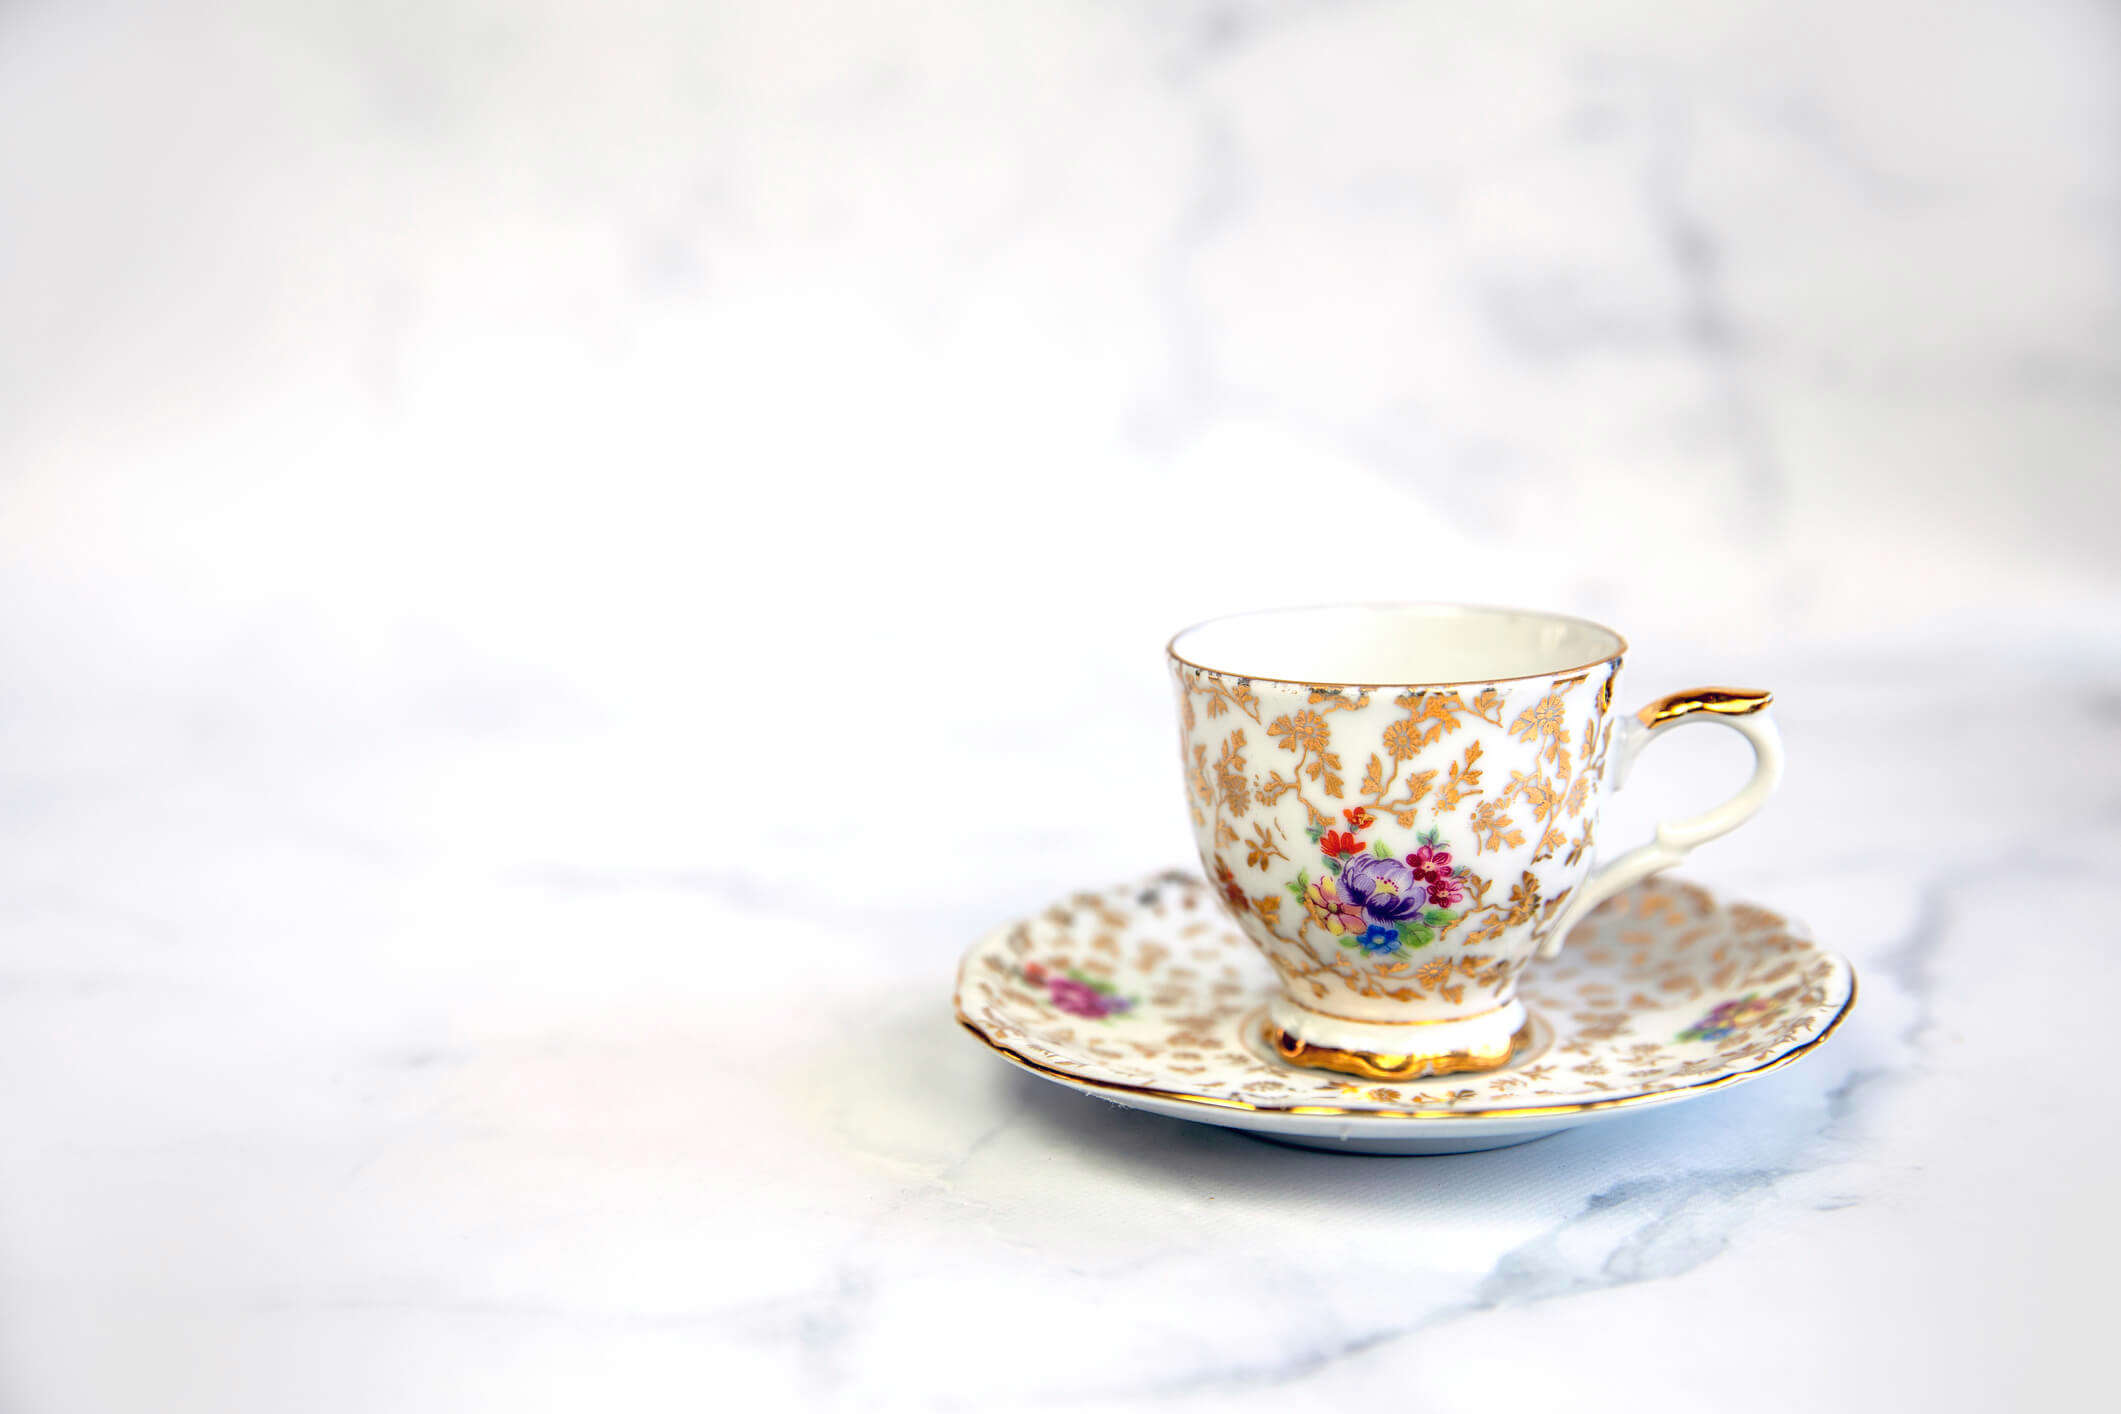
1370, 898
1731, 1017
1076, 992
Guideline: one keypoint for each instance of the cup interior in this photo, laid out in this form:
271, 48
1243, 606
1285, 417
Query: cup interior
1395, 645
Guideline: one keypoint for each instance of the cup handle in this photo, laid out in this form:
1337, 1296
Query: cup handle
1737, 708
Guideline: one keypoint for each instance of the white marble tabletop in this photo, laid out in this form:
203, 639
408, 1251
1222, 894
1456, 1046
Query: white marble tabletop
384, 1057
560, 562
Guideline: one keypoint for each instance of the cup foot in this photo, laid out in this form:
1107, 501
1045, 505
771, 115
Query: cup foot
1373, 1065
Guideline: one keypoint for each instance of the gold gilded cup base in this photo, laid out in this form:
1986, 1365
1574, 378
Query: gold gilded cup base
1372, 1066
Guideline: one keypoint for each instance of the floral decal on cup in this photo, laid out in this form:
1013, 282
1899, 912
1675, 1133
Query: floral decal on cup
1370, 898
1077, 992
1729, 1018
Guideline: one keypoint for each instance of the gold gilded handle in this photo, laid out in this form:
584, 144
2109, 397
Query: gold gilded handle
1723, 701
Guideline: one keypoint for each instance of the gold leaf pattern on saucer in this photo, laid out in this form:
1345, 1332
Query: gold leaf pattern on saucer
1147, 988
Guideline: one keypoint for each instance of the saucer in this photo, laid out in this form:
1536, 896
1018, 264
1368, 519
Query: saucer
1147, 996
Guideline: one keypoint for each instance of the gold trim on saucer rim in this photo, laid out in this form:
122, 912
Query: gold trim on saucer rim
1220, 1102
1371, 1065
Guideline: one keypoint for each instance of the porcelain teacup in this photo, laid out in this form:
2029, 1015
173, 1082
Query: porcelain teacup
1399, 806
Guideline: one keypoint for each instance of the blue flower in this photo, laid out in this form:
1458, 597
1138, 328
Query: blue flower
1378, 938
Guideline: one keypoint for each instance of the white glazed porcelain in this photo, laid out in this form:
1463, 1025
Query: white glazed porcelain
1144, 995
1399, 805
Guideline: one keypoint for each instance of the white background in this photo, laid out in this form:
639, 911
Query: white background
561, 559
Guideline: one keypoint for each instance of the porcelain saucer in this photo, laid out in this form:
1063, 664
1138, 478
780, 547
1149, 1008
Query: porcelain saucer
1145, 995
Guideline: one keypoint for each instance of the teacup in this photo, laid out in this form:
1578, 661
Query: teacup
1399, 805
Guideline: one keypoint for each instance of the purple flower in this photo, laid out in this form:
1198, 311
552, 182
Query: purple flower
1386, 890
1728, 1018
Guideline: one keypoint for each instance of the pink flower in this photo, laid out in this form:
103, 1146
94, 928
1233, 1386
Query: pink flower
1082, 999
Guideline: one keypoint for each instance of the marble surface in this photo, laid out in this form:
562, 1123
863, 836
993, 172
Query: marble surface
558, 562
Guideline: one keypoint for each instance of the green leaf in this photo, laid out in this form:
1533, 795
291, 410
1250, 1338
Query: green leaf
1346, 941
1438, 916
1314, 832
1379, 848
1334, 865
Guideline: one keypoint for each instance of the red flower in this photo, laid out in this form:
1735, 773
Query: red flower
1359, 818
1433, 867
1034, 971
1339, 842
1232, 890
